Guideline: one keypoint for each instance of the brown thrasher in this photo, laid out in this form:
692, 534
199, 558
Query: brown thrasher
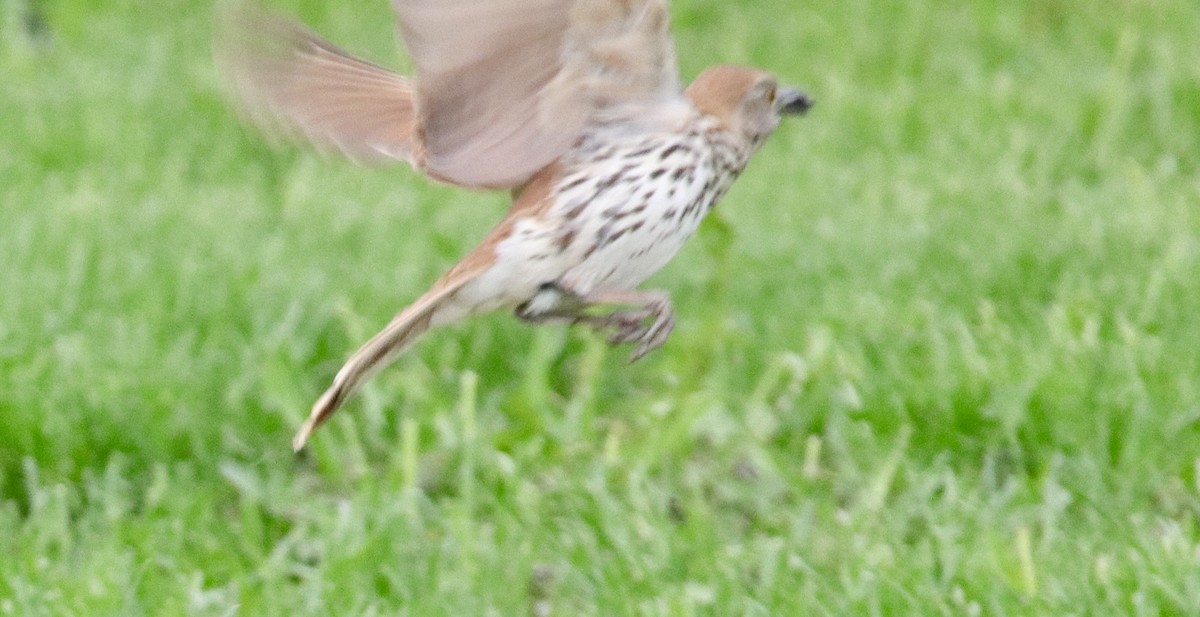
574, 105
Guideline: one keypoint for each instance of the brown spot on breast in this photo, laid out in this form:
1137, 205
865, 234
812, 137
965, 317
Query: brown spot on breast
575, 210
669, 150
574, 183
563, 242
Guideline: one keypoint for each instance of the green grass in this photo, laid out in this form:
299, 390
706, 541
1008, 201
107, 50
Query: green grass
938, 351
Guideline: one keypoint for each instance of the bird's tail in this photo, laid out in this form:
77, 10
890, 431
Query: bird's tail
432, 309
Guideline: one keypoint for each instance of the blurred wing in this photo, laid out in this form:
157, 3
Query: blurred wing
287, 79
504, 87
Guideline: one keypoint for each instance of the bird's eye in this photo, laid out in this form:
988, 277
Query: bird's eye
771, 93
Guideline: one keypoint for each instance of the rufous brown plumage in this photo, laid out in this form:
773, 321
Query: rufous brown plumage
574, 105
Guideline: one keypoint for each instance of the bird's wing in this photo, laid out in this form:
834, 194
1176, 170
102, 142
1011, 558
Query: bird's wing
287, 79
506, 86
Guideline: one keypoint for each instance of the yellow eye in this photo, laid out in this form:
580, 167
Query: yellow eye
771, 94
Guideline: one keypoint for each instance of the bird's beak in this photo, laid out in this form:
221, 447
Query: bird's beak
791, 101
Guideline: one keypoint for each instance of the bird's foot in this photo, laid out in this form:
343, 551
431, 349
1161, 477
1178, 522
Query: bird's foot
648, 324
631, 325
628, 325
654, 335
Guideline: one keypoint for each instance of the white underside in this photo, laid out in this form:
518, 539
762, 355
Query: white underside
590, 238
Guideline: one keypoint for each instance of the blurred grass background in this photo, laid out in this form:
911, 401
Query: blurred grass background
938, 351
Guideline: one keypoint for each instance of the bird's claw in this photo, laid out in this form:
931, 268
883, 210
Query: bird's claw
631, 327
655, 335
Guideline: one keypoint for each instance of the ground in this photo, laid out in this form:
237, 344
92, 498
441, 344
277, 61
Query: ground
938, 351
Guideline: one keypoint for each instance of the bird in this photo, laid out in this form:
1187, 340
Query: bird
574, 106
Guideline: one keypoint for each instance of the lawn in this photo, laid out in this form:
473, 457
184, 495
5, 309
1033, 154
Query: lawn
938, 350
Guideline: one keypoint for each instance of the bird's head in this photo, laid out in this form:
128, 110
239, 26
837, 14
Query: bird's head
746, 101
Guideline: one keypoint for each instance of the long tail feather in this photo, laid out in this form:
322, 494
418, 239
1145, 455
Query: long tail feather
376, 353
439, 306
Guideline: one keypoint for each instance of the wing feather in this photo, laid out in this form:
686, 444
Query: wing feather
504, 87
287, 79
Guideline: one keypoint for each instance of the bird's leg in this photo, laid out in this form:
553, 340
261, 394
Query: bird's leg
556, 304
552, 304
631, 324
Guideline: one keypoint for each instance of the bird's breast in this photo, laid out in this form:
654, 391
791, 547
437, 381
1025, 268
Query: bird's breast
625, 207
